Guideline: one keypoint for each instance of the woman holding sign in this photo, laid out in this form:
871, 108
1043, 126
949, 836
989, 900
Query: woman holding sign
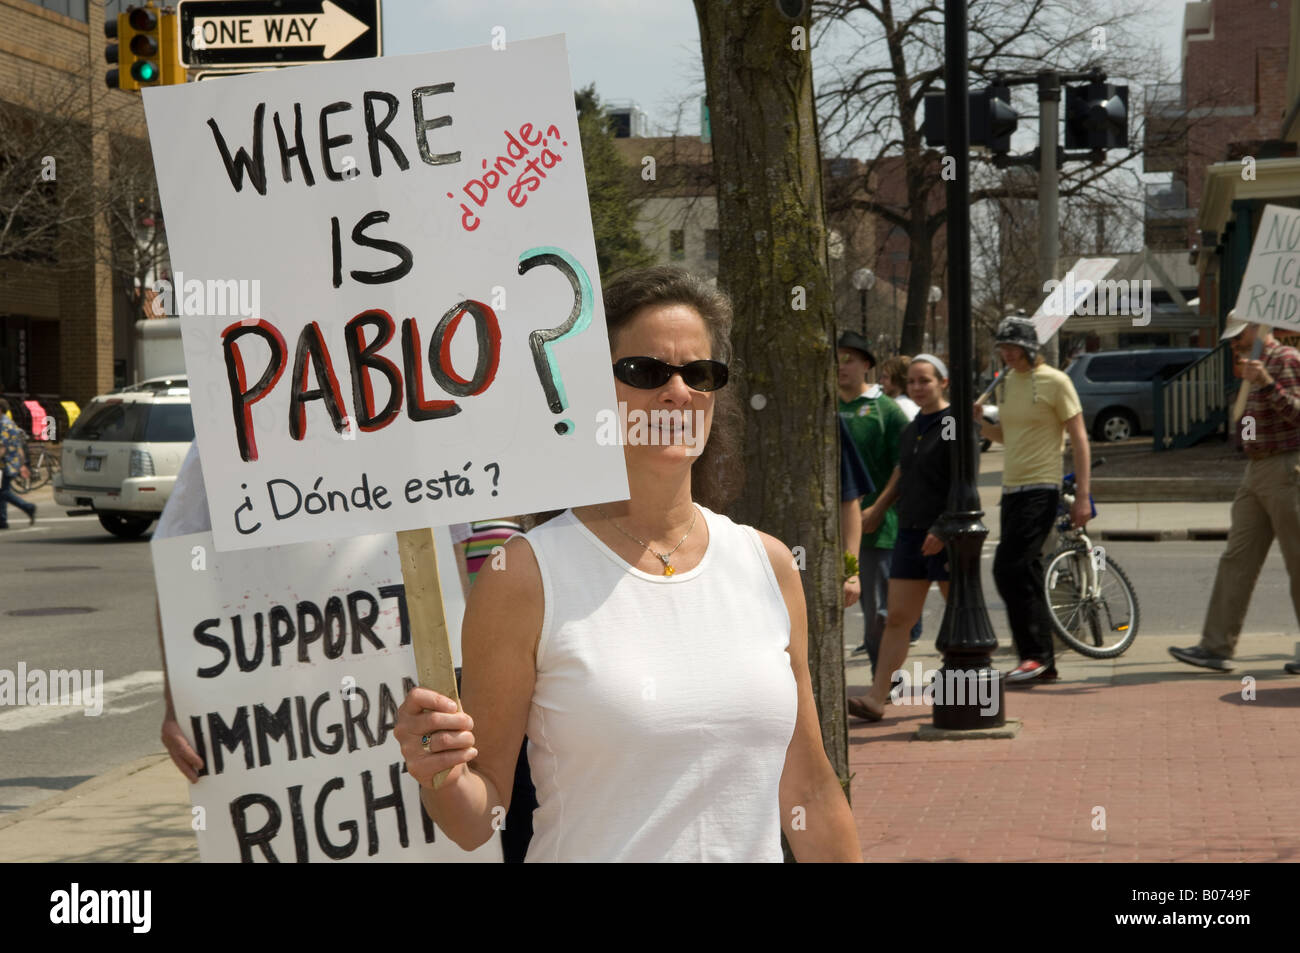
654, 652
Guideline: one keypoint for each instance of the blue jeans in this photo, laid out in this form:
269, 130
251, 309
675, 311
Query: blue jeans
7, 496
873, 571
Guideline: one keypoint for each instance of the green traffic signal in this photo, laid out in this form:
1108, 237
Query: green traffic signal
144, 72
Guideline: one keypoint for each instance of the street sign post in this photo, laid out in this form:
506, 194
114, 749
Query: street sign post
233, 33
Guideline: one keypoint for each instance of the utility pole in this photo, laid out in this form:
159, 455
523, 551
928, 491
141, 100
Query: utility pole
1049, 229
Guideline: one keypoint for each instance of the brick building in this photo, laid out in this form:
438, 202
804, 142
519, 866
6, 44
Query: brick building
65, 326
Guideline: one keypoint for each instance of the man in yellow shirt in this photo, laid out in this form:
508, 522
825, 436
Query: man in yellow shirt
1037, 405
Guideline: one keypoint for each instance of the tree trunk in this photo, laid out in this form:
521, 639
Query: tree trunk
773, 262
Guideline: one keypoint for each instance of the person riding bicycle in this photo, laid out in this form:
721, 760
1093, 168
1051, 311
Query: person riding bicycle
1037, 404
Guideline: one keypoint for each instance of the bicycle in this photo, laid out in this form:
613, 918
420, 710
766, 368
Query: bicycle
1094, 608
42, 464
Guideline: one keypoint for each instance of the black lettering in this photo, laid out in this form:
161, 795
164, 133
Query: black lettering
376, 132
274, 727
376, 804
299, 149
422, 125
328, 142
332, 850
398, 591
230, 738
307, 612
336, 732
299, 823
237, 626
352, 722
396, 249
261, 837
334, 627
241, 163
202, 637
363, 627
282, 632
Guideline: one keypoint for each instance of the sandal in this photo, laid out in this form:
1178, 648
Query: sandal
859, 708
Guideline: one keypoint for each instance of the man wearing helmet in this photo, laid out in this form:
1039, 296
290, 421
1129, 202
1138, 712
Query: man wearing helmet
1037, 404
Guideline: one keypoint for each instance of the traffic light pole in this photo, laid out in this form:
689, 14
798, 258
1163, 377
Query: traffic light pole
969, 692
1049, 183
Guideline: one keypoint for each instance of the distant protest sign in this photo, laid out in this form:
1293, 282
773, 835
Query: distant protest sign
1270, 288
286, 667
389, 293
1075, 294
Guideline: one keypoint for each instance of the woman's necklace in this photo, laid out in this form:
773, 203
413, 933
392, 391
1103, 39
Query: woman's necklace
663, 557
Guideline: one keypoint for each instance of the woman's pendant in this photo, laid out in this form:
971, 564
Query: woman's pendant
668, 569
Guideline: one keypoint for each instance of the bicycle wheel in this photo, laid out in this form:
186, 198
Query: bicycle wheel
1101, 626
38, 474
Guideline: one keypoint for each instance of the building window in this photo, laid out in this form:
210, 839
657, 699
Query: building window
677, 244
711, 244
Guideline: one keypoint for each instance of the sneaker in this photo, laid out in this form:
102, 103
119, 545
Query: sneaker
1027, 671
1200, 657
861, 649
31, 517
1292, 668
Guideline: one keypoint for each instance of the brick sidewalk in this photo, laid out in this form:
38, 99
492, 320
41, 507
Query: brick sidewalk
1185, 769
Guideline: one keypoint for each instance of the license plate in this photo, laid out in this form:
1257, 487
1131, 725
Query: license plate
92, 463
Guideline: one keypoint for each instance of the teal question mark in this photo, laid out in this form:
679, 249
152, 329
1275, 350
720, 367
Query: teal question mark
542, 341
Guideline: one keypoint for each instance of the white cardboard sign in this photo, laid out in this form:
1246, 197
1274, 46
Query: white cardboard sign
389, 292
1270, 288
1065, 296
286, 667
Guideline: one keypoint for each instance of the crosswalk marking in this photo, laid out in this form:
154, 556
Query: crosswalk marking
121, 696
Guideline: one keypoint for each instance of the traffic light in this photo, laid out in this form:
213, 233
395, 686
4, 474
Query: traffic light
1096, 116
147, 52
113, 78
992, 120
143, 41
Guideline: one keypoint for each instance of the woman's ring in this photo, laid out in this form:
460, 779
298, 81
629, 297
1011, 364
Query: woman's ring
424, 743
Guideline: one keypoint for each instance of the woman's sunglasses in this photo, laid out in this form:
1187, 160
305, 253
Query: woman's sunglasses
647, 373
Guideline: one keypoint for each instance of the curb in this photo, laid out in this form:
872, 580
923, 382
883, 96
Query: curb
111, 776
1161, 535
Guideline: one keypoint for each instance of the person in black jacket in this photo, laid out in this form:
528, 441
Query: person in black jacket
920, 485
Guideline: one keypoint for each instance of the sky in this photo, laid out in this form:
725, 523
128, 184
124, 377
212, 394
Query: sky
643, 51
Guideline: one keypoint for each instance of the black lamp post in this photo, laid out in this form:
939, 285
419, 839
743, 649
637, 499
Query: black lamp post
966, 636
864, 279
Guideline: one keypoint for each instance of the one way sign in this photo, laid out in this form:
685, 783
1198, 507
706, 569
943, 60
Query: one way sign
277, 32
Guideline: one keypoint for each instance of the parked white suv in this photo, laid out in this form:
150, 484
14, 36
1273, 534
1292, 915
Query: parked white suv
122, 455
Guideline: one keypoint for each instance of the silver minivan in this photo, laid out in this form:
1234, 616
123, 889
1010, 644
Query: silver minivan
1116, 387
122, 455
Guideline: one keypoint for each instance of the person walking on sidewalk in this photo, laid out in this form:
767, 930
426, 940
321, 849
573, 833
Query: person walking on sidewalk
1267, 503
920, 484
876, 424
1037, 405
13, 464
893, 378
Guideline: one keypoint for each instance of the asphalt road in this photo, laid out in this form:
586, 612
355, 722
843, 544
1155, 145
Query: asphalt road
101, 592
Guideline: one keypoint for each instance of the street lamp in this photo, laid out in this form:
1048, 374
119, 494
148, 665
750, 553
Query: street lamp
935, 294
864, 279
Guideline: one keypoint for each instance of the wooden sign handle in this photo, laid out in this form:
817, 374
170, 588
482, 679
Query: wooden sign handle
1239, 407
433, 660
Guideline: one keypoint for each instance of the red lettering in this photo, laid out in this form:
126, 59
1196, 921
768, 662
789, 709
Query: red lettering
243, 397
362, 359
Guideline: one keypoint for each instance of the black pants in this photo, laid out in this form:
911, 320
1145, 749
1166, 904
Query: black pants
1027, 518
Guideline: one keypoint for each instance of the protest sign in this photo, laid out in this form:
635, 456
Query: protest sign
389, 293
1270, 288
286, 667
1065, 297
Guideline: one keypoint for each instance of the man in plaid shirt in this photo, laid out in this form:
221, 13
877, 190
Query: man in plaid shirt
1267, 504
13, 463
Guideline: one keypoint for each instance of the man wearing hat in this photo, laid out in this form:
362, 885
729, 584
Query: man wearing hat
1267, 503
875, 423
1037, 406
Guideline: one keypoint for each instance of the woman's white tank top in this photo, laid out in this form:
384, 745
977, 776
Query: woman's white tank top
663, 705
